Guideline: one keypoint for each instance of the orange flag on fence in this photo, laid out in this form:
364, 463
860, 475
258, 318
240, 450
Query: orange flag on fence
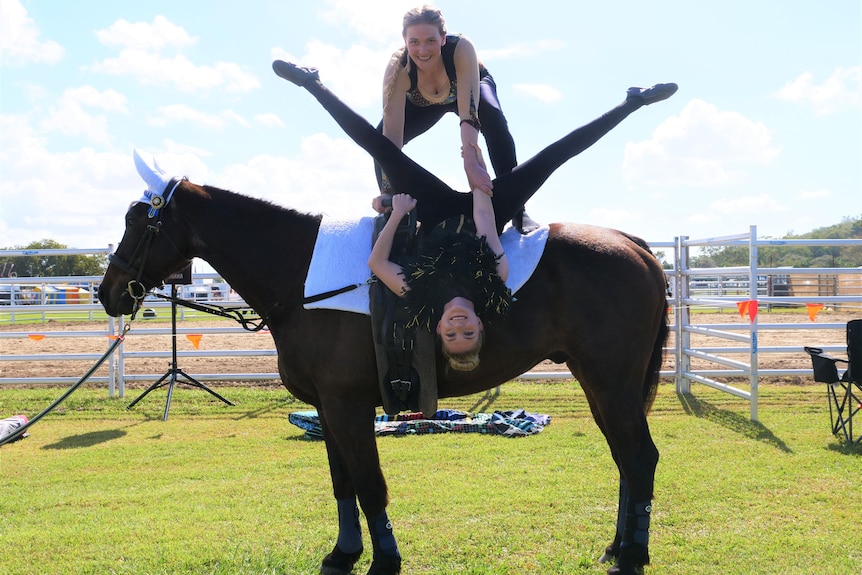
749, 307
752, 309
36, 336
195, 338
813, 310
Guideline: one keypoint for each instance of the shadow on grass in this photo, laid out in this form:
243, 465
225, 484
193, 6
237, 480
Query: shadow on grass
846, 448
266, 409
730, 420
86, 439
486, 401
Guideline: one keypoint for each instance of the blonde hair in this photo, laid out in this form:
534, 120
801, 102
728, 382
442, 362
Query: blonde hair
426, 14
466, 360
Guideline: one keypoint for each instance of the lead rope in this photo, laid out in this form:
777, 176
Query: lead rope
18, 432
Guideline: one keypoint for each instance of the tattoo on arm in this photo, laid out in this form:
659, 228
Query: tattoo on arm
473, 120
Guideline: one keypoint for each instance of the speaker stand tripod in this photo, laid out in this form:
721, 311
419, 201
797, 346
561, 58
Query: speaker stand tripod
170, 377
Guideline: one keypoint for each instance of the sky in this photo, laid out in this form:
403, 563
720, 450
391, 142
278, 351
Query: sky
765, 130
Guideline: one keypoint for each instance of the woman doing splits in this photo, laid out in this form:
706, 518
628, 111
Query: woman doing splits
458, 278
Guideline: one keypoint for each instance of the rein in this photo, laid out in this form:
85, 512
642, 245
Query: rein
20, 431
235, 314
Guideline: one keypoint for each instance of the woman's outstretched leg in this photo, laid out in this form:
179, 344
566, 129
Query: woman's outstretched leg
512, 190
437, 200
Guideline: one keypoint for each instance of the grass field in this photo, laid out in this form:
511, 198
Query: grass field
99, 489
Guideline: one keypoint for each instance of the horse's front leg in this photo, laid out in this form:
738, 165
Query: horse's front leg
355, 469
348, 546
636, 457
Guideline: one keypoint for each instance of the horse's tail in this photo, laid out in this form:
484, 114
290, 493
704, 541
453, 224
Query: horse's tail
655, 362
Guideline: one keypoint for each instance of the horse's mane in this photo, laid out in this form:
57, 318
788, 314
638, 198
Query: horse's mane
264, 210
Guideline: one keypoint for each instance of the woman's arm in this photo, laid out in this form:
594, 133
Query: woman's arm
388, 271
486, 224
467, 77
396, 82
483, 216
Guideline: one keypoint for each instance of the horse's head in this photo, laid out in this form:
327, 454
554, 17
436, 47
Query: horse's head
154, 245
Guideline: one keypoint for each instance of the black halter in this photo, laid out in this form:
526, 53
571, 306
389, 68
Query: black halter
136, 263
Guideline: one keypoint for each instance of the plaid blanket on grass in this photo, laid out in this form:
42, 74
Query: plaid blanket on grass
517, 423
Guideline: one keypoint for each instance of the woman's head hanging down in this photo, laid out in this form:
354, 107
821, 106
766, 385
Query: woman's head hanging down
458, 317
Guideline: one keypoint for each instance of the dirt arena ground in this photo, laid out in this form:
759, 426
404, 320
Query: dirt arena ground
31, 342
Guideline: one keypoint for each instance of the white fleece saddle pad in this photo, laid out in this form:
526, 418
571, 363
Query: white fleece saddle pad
340, 259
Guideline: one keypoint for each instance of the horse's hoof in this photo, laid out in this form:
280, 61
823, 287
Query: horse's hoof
652, 95
634, 571
293, 73
630, 561
612, 551
385, 565
339, 563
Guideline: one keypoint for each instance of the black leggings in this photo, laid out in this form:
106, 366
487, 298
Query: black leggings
436, 201
495, 128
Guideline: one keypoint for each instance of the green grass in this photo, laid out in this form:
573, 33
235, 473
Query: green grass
101, 489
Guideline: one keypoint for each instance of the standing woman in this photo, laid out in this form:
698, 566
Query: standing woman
435, 73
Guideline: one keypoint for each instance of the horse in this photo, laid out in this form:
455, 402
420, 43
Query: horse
596, 301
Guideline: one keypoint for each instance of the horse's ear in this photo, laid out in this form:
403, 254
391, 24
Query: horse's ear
152, 175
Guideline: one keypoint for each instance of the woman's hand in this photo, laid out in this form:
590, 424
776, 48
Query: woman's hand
402, 204
379, 204
388, 271
477, 172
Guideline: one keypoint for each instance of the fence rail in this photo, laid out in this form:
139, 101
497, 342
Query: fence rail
733, 351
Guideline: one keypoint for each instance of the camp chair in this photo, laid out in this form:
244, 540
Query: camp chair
845, 392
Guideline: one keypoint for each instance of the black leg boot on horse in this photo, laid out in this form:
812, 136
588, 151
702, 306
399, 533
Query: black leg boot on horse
348, 547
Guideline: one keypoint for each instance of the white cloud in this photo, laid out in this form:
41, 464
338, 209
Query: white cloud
703, 146
169, 115
152, 69
268, 120
840, 91
541, 92
322, 178
740, 210
613, 218
19, 38
354, 74
141, 57
145, 36
375, 21
75, 198
71, 114
522, 50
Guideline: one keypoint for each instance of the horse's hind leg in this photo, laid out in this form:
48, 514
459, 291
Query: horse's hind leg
355, 469
622, 420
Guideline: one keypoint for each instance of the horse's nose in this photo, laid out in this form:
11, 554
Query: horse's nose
103, 295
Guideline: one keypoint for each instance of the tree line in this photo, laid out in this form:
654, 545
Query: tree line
51, 266
795, 256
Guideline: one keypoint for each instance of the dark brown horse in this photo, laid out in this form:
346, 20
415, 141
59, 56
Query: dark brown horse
596, 302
